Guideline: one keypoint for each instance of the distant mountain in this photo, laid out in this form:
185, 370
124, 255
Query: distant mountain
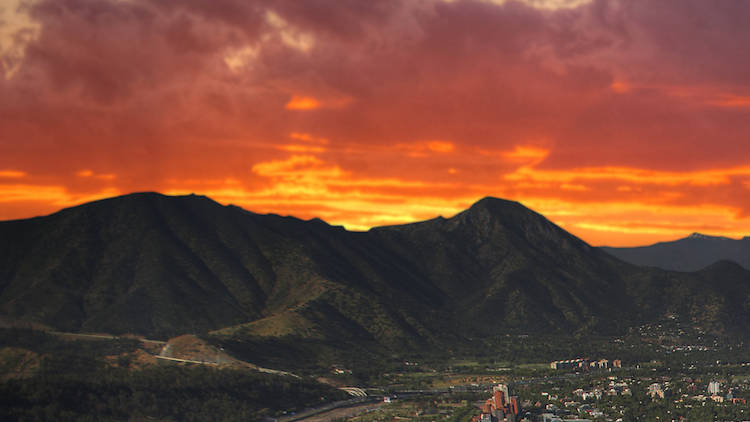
161, 266
692, 253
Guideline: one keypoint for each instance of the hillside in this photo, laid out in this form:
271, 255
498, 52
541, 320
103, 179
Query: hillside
163, 266
692, 253
509, 268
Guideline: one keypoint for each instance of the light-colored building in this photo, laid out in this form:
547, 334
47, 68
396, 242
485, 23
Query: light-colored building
655, 390
714, 387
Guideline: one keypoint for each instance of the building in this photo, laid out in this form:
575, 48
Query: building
714, 387
501, 407
500, 395
655, 390
586, 364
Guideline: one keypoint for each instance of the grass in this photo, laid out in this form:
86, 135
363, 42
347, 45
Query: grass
278, 325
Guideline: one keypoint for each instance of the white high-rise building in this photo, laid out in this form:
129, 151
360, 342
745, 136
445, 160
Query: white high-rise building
714, 387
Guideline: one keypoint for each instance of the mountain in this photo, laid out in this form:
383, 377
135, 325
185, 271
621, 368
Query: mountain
161, 266
506, 267
692, 253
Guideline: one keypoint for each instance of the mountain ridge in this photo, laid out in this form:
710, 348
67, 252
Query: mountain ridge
688, 254
161, 266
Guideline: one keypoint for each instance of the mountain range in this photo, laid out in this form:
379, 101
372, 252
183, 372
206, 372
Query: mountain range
161, 266
692, 253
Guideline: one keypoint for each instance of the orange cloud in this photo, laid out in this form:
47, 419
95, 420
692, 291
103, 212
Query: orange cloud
639, 222
440, 146
568, 186
310, 187
306, 137
299, 102
526, 154
88, 173
629, 174
732, 101
12, 174
424, 148
298, 167
59, 196
301, 148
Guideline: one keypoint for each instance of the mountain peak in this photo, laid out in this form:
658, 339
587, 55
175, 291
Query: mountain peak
491, 201
493, 215
702, 236
491, 207
149, 196
504, 210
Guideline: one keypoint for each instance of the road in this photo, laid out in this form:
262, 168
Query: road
340, 413
199, 362
164, 354
335, 410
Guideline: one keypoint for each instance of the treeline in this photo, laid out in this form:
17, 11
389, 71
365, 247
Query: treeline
167, 393
45, 343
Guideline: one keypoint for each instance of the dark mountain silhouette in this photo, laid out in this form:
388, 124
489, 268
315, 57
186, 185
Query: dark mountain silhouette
160, 266
692, 253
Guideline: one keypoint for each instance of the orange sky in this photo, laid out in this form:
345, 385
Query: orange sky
625, 122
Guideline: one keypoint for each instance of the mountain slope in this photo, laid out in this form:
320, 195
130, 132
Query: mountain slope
161, 266
509, 268
692, 253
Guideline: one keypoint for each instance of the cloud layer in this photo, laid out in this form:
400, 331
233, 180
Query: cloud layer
624, 121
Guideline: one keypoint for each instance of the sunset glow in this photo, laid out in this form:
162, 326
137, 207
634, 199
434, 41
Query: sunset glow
302, 103
621, 121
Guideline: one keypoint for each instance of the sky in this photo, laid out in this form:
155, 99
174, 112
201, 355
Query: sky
624, 122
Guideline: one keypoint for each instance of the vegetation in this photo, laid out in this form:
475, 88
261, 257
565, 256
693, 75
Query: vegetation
163, 266
79, 380
46, 343
167, 393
